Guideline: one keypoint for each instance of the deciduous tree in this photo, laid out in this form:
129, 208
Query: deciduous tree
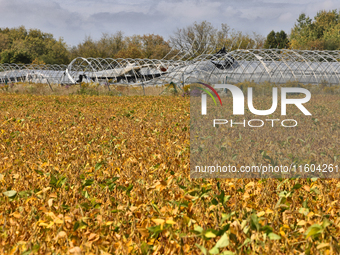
321, 33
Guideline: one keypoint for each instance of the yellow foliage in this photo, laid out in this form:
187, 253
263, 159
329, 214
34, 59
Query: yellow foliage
110, 175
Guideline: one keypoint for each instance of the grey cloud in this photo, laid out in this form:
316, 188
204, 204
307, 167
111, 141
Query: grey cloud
47, 16
75, 19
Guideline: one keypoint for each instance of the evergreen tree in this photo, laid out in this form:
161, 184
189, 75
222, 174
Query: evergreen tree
278, 40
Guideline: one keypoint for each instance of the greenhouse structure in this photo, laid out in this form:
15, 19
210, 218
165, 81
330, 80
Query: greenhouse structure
257, 65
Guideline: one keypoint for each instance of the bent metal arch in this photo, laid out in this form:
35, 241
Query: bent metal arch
258, 65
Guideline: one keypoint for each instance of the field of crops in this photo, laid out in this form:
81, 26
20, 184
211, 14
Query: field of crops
110, 175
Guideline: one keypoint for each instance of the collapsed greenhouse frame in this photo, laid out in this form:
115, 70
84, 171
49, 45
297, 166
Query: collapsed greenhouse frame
257, 65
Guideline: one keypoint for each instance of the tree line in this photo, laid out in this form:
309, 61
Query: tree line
19, 45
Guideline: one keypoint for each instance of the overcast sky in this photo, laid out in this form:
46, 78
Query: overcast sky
73, 20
